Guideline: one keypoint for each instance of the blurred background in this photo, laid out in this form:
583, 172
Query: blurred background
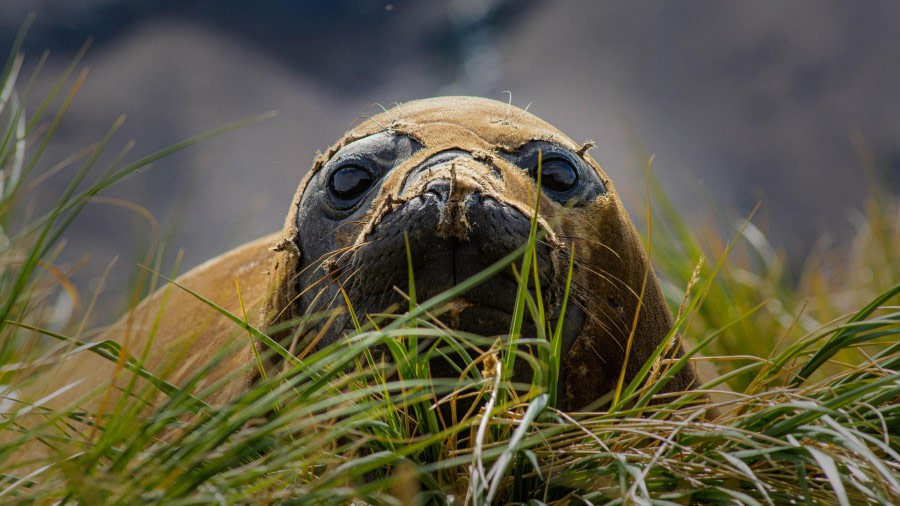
741, 102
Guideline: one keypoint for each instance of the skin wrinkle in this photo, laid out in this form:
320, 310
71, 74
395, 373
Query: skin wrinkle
487, 186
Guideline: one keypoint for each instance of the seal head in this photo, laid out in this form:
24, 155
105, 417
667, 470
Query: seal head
457, 177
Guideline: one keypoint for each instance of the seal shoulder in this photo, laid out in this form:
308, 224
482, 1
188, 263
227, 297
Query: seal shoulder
178, 333
180, 323
214, 280
173, 333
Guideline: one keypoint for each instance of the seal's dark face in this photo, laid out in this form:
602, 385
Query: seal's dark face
459, 211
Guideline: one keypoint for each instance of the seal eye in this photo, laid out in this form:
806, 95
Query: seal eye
348, 183
558, 175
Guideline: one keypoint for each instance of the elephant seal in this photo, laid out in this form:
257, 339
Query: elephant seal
458, 176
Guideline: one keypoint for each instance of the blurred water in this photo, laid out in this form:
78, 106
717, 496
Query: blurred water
740, 102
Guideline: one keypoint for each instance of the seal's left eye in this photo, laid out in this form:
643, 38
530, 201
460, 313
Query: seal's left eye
349, 182
558, 175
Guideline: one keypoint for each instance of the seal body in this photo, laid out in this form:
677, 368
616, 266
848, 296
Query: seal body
457, 178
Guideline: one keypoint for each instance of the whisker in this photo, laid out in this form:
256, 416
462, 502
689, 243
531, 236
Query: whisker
593, 241
603, 323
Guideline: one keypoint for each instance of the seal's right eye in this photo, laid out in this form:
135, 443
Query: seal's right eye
349, 182
558, 175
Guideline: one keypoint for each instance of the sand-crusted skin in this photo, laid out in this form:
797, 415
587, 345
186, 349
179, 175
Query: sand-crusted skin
611, 262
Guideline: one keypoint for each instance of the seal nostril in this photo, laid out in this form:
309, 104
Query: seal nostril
440, 189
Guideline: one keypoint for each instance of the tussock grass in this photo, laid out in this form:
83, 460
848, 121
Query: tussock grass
808, 374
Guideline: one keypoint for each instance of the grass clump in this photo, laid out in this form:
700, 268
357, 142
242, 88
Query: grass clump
808, 370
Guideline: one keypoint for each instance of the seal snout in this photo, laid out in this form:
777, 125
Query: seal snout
457, 226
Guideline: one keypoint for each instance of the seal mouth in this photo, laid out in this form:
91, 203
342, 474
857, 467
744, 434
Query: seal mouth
464, 315
472, 312
441, 265
375, 277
